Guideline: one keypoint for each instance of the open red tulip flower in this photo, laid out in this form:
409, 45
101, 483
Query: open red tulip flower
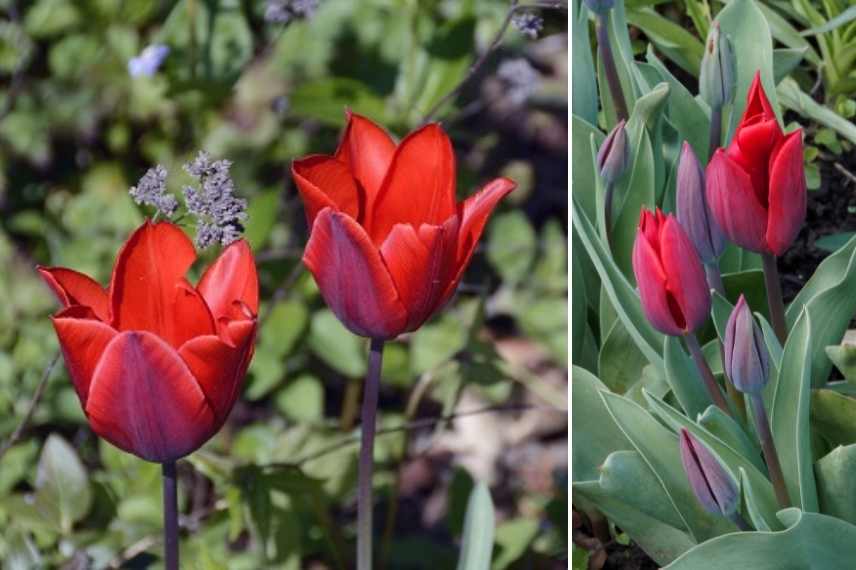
388, 242
158, 363
756, 187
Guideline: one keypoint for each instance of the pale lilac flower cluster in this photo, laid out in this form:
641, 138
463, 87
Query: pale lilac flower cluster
284, 11
220, 215
521, 80
151, 190
529, 24
149, 61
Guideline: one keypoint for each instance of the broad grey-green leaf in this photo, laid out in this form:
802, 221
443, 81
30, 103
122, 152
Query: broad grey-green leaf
62, 482
477, 542
793, 98
620, 362
583, 76
684, 379
810, 541
785, 61
832, 415
843, 356
336, 345
836, 485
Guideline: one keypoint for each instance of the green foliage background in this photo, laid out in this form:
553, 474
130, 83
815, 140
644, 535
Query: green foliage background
276, 488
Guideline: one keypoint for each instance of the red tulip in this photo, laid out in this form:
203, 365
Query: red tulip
388, 242
672, 286
157, 363
756, 187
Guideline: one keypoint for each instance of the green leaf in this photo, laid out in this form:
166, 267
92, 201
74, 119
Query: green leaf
836, 485
590, 421
512, 246
302, 399
337, 346
832, 415
584, 78
262, 214
436, 343
583, 175
62, 482
844, 358
841, 19
621, 294
678, 44
789, 415
477, 542
810, 541
512, 539
620, 363
833, 242
684, 379
793, 98
785, 61
324, 99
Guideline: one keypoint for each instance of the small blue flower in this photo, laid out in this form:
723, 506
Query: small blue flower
149, 60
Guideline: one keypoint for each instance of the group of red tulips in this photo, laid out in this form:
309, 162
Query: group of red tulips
158, 363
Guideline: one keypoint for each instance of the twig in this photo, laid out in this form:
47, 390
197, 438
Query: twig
847, 174
416, 424
37, 396
497, 40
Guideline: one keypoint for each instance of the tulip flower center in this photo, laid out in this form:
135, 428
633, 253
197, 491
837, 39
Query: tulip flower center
676, 311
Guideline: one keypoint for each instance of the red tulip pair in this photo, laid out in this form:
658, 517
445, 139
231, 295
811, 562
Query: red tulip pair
389, 243
156, 362
672, 286
756, 187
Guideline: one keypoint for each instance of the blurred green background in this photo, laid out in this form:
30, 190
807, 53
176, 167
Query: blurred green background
277, 487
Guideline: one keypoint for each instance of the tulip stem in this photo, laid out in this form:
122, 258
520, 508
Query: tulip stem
604, 47
741, 523
607, 213
774, 297
714, 277
706, 373
368, 421
715, 140
170, 516
762, 425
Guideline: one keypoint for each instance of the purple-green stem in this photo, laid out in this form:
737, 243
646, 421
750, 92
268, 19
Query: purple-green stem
768, 446
714, 277
715, 140
366, 467
607, 213
706, 373
741, 523
604, 47
774, 297
170, 516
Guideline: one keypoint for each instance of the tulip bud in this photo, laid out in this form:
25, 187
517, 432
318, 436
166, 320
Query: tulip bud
613, 157
747, 361
717, 80
712, 485
600, 7
693, 213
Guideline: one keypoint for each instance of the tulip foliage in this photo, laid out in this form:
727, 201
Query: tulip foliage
707, 424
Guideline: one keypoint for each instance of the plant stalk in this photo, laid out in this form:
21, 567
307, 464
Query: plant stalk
604, 47
762, 425
607, 213
170, 516
366, 466
714, 277
715, 140
741, 523
774, 297
706, 373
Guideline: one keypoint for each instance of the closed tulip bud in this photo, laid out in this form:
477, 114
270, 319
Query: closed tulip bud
599, 6
613, 157
756, 187
747, 361
693, 213
718, 78
712, 485
672, 287
389, 243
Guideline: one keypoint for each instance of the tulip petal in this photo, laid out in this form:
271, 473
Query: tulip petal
420, 185
74, 288
420, 265
751, 150
367, 149
232, 277
324, 181
219, 368
82, 338
734, 204
651, 280
148, 291
787, 194
143, 399
757, 103
685, 279
352, 277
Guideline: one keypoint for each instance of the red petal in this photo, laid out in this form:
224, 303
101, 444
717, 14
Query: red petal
752, 147
143, 399
218, 367
324, 181
685, 278
787, 194
232, 277
73, 288
368, 150
757, 102
352, 277
148, 290
734, 204
82, 339
420, 265
420, 185
651, 280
